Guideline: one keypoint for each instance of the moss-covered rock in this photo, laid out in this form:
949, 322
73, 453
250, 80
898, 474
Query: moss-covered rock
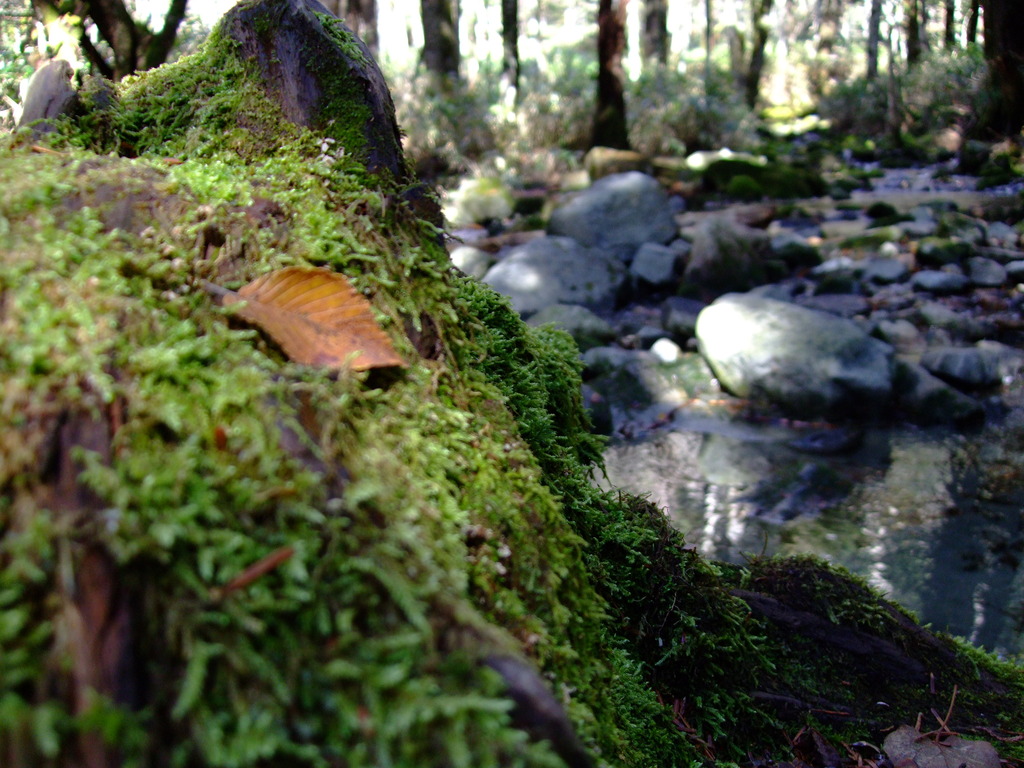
213, 556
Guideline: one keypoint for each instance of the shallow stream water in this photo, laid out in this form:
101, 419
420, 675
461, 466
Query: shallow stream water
934, 518
930, 517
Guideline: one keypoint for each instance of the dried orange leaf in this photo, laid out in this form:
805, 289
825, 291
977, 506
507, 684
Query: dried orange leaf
317, 318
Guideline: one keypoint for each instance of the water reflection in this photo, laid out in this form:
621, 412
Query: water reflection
931, 518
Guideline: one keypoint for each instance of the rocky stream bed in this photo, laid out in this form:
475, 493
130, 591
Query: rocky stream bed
839, 378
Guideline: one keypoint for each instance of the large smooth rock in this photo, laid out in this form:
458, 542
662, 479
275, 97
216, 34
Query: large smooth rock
925, 399
727, 256
807, 362
967, 367
624, 210
557, 270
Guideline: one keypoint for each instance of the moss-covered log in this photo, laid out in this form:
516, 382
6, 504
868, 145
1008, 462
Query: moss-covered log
213, 556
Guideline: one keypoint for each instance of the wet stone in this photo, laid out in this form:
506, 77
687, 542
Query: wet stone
883, 271
970, 367
654, 266
1015, 270
901, 334
940, 283
841, 304
937, 252
986, 272
473, 261
679, 316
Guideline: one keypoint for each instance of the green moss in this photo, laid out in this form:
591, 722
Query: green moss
744, 187
344, 38
434, 516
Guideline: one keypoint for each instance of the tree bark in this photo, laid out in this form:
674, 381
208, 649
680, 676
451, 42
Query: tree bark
915, 47
874, 36
1004, 50
440, 39
949, 27
759, 9
655, 39
510, 68
610, 120
709, 39
971, 32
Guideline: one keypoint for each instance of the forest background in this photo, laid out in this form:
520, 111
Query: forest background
521, 88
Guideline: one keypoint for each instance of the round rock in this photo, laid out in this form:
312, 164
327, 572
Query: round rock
557, 270
809, 363
624, 209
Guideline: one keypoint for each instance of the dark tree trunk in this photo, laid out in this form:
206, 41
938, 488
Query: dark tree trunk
874, 35
133, 44
709, 39
655, 43
971, 33
915, 46
949, 27
759, 9
1004, 50
510, 44
440, 38
610, 119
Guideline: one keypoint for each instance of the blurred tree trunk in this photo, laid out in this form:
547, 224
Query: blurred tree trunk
133, 44
915, 47
361, 18
655, 43
971, 33
894, 101
759, 9
737, 56
610, 120
1004, 50
510, 66
709, 39
874, 35
440, 39
824, 71
949, 26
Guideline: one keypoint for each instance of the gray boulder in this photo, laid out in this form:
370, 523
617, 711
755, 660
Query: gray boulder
557, 270
727, 256
986, 272
1001, 234
939, 282
1015, 270
901, 334
925, 399
795, 250
968, 367
654, 267
960, 226
679, 316
618, 212
938, 251
883, 271
807, 362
